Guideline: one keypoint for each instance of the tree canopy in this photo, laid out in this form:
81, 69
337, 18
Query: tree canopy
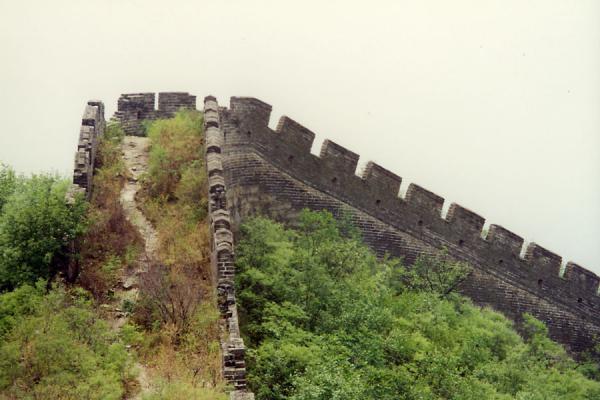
324, 319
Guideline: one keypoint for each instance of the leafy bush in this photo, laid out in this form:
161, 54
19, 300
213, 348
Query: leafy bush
35, 227
114, 132
189, 360
176, 146
54, 346
8, 182
170, 296
348, 328
436, 273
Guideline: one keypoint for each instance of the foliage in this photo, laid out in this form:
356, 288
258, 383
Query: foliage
169, 295
114, 132
8, 182
36, 225
111, 242
54, 346
348, 328
436, 273
174, 198
176, 308
184, 391
190, 360
176, 147
175, 193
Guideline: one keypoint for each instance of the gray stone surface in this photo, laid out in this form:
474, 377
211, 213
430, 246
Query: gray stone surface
93, 125
135, 108
273, 173
234, 364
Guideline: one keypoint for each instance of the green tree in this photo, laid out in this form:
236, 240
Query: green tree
325, 319
435, 273
8, 182
35, 227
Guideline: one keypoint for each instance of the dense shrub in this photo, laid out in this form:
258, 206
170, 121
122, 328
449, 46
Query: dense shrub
8, 182
36, 225
54, 346
176, 147
169, 296
324, 319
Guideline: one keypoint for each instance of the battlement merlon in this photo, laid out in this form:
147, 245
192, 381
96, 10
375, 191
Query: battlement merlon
289, 146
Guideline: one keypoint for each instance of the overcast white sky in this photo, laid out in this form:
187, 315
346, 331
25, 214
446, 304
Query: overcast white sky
491, 104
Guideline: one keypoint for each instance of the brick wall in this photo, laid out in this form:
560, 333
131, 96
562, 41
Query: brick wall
92, 127
135, 108
234, 365
272, 172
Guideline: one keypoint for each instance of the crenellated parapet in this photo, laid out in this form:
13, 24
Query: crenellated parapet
135, 108
257, 158
234, 364
92, 128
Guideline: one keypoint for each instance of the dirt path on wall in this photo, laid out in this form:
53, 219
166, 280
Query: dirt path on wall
135, 155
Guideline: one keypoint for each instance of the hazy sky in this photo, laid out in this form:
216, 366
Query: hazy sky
491, 104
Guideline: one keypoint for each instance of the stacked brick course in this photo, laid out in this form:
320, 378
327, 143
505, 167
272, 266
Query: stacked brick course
92, 127
135, 108
273, 173
234, 365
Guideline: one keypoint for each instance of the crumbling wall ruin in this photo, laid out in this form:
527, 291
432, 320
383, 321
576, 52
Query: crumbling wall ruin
92, 128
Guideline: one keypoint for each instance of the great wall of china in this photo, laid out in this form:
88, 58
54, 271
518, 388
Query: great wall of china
253, 170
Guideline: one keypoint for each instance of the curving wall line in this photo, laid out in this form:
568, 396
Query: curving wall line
273, 172
234, 365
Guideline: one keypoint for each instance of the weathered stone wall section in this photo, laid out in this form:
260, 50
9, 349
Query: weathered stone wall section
234, 365
273, 172
135, 108
92, 128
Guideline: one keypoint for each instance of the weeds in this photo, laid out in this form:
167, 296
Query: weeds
176, 308
111, 242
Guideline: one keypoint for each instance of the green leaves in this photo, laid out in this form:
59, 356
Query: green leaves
8, 183
56, 347
325, 319
176, 147
436, 273
35, 226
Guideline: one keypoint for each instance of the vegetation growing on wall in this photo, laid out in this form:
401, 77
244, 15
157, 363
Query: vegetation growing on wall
353, 327
176, 309
111, 243
53, 342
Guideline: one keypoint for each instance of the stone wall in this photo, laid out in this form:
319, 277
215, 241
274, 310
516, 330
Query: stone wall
135, 108
272, 172
92, 127
234, 365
